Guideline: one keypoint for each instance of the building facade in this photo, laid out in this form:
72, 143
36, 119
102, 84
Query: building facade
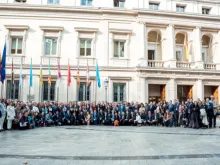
146, 50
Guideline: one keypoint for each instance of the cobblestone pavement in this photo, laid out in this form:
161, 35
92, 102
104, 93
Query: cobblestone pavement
102, 145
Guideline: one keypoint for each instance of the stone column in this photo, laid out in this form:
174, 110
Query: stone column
172, 90
200, 90
142, 42
170, 46
198, 48
143, 90
216, 59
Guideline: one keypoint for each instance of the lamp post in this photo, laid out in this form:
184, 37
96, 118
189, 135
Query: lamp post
106, 86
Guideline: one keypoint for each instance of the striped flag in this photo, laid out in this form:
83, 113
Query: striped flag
49, 74
59, 74
88, 82
69, 75
186, 48
41, 73
78, 77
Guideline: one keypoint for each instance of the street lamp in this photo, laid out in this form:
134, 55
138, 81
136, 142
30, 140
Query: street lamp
106, 86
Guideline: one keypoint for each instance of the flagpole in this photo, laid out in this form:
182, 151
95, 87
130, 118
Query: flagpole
67, 83
49, 81
77, 99
20, 87
40, 87
58, 87
30, 83
95, 85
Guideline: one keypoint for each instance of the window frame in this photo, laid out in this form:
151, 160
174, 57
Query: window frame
119, 54
53, 83
51, 46
87, 3
86, 92
85, 48
11, 94
116, 3
54, 2
178, 6
154, 4
16, 46
119, 91
206, 8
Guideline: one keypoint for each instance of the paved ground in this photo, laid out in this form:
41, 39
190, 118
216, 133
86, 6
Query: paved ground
101, 145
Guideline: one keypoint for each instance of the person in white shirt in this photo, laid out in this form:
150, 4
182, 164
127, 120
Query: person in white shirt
35, 108
10, 115
138, 120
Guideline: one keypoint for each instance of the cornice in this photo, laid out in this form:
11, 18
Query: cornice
17, 27
84, 29
122, 31
51, 28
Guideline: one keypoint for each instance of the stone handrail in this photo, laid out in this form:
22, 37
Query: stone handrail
180, 64
155, 64
210, 66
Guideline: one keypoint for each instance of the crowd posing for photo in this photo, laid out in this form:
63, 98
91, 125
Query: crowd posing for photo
189, 114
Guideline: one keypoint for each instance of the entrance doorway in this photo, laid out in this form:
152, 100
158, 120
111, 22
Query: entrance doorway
184, 92
156, 93
211, 90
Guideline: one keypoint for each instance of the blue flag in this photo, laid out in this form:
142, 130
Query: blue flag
31, 76
3, 73
98, 76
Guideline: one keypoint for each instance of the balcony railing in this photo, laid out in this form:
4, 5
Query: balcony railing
210, 66
155, 64
183, 64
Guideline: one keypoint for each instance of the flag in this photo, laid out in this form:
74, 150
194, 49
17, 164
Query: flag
59, 74
49, 74
78, 77
31, 75
20, 77
186, 48
98, 76
88, 76
12, 73
3, 64
41, 73
0, 64
69, 75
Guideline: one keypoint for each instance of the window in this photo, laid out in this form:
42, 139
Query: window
86, 2
84, 92
21, 1
45, 89
119, 3
151, 54
179, 55
85, 47
180, 8
119, 92
53, 1
154, 6
50, 46
16, 45
12, 89
205, 10
119, 49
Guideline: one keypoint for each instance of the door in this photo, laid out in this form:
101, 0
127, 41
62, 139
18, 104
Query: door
163, 92
190, 93
215, 94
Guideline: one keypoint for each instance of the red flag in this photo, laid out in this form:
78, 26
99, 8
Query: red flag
88, 76
78, 77
69, 75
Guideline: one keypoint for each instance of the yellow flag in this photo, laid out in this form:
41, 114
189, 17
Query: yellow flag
186, 48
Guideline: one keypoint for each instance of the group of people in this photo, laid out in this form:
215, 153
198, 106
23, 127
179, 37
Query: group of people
191, 114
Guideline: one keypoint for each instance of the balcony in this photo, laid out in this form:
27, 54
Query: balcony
155, 64
183, 64
210, 66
